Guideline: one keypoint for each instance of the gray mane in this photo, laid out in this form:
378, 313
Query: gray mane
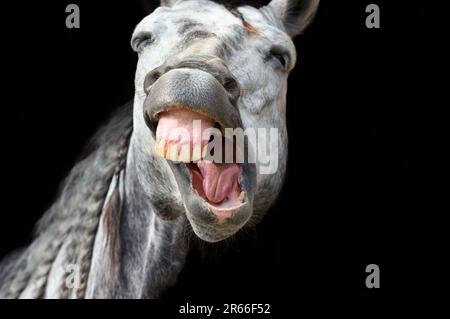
67, 230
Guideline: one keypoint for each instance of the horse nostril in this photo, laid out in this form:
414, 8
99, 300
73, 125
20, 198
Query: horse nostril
151, 78
230, 84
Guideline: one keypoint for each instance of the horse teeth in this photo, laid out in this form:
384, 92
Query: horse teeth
242, 196
185, 153
172, 151
160, 148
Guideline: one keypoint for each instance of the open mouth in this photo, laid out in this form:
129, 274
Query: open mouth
183, 109
183, 136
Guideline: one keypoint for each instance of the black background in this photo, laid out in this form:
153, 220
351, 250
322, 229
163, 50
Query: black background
367, 175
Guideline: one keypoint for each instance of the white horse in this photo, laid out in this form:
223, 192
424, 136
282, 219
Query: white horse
120, 227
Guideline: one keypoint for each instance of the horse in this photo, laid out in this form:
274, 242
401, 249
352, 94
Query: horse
122, 222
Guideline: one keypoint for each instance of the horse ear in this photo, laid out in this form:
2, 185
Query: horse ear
295, 15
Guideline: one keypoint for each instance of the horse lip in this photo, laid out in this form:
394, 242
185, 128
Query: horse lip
193, 89
223, 214
174, 107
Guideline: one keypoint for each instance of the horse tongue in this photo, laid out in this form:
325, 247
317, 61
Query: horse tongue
218, 179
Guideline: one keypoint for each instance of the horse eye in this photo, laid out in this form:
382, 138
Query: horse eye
281, 55
141, 40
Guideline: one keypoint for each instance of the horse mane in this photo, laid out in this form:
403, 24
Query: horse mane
67, 230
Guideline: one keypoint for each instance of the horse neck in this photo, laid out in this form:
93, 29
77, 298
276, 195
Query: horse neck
139, 254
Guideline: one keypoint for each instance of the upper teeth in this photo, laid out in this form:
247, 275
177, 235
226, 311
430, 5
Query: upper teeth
179, 135
178, 152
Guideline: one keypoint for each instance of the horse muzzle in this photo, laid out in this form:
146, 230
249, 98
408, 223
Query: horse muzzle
217, 192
